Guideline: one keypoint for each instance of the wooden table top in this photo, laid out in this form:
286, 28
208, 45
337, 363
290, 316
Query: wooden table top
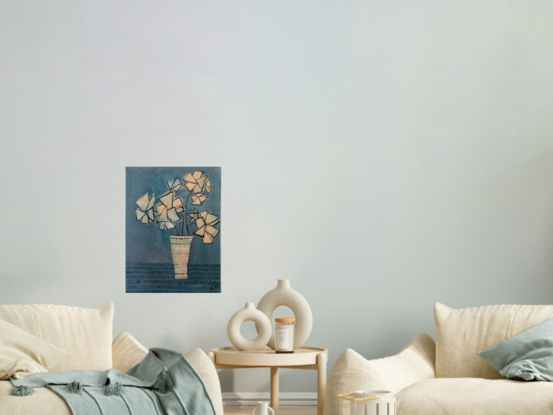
302, 356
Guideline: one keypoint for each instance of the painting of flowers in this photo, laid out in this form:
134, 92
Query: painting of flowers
173, 225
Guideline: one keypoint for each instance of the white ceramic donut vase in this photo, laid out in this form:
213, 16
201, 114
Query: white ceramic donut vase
262, 324
284, 295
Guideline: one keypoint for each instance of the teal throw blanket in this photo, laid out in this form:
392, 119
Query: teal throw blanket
164, 383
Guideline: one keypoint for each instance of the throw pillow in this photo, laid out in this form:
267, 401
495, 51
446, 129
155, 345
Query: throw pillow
528, 355
86, 333
22, 354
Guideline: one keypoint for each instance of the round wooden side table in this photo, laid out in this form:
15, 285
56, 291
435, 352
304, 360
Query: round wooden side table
306, 358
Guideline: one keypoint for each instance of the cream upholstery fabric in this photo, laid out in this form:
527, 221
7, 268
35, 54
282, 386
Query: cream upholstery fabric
85, 333
351, 372
204, 366
127, 352
469, 396
42, 402
460, 333
22, 354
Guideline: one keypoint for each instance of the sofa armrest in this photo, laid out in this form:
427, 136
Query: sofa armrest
351, 371
127, 352
206, 369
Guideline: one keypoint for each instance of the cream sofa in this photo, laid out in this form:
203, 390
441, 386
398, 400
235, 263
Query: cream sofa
446, 376
87, 335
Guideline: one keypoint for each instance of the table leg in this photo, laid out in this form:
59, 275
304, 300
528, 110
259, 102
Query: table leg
274, 389
321, 382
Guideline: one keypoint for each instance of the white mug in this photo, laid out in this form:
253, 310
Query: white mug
264, 409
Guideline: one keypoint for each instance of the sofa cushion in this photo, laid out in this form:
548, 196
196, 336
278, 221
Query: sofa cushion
42, 402
127, 352
22, 354
461, 333
352, 372
475, 397
86, 333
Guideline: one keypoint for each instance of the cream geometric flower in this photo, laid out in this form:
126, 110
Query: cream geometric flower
168, 210
194, 215
207, 186
174, 185
206, 226
165, 226
198, 198
196, 181
145, 211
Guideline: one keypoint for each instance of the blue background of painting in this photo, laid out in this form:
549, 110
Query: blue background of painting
148, 248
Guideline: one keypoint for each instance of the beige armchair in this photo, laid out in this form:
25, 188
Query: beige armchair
447, 377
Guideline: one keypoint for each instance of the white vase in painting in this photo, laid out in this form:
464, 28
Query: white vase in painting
180, 248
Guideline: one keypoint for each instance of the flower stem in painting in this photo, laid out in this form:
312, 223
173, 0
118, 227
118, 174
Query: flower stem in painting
186, 216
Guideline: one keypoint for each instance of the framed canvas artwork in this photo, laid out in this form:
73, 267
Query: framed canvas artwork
173, 225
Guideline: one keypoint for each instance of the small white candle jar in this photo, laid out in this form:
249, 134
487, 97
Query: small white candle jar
284, 335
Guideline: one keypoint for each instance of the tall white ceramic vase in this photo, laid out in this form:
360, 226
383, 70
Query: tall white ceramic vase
263, 408
283, 294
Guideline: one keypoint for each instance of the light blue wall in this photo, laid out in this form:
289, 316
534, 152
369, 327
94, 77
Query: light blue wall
381, 155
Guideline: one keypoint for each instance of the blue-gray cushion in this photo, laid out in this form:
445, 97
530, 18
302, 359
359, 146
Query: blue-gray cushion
528, 355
